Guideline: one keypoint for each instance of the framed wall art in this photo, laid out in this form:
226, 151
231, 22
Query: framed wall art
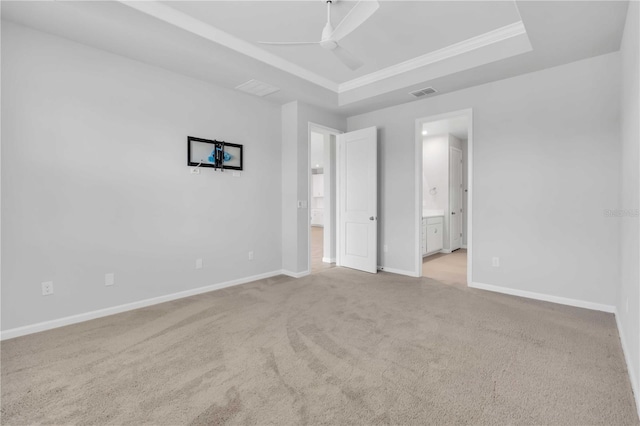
213, 153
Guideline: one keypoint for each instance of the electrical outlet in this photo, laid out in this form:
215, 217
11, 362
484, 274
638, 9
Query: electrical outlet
250, 255
302, 204
195, 171
47, 288
199, 263
109, 279
495, 262
385, 248
236, 173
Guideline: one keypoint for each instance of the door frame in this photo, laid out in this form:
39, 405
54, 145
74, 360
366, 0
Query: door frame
418, 194
453, 148
329, 166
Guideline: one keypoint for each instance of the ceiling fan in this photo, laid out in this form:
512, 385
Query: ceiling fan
330, 36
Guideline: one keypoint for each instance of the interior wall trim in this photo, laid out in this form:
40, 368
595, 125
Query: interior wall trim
398, 271
195, 26
545, 297
86, 316
295, 274
465, 46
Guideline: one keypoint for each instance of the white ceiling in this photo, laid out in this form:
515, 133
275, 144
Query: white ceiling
397, 31
456, 126
216, 42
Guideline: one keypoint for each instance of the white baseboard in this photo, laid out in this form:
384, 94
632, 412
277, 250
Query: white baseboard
545, 297
329, 259
434, 252
464, 246
295, 274
630, 366
74, 319
397, 271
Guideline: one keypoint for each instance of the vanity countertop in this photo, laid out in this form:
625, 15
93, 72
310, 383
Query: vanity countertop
432, 213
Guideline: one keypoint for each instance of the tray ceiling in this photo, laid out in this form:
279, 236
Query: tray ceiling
397, 31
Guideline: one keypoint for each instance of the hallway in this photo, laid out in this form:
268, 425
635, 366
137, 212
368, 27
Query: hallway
448, 268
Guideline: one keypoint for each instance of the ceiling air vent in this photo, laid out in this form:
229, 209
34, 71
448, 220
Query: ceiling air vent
423, 92
258, 88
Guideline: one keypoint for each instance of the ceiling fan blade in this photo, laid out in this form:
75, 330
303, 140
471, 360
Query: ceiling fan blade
356, 17
289, 43
347, 58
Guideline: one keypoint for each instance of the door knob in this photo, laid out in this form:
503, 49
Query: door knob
372, 218
453, 212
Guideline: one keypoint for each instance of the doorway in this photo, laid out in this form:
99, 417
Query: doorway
322, 204
443, 160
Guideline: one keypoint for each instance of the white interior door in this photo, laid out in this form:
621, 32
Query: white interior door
455, 198
357, 200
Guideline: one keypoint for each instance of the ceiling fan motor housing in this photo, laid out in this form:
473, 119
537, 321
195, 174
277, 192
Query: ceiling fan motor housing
331, 36
328, 44
326, 41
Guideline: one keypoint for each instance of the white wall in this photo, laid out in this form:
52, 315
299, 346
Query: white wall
289, 198
435, 172
296, 117
465, 187
453, 143
545, 166
317, 150
628, 301
317, 142
95, 180
329, 242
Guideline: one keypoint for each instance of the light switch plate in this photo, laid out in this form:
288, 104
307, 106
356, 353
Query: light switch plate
109, 279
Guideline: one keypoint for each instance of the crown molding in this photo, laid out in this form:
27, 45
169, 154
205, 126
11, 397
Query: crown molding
195, 26
465, 46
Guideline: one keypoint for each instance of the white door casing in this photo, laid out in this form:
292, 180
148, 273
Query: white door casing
357, 200
455, 198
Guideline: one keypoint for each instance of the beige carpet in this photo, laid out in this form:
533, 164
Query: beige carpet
336, 347
449, 268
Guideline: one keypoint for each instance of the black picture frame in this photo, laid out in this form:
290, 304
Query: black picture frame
195, 146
